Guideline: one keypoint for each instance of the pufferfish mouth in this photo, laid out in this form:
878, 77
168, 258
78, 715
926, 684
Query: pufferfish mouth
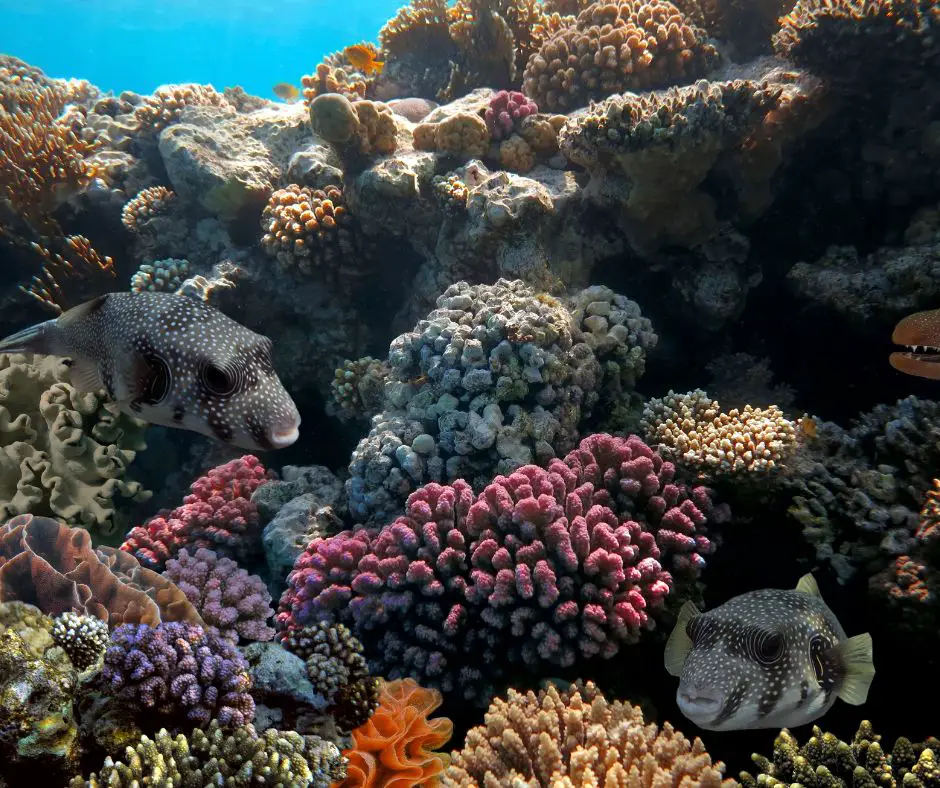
698, 703
283, 438
925, 353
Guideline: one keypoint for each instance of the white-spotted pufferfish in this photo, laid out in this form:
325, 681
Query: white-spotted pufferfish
773, 658
172, 360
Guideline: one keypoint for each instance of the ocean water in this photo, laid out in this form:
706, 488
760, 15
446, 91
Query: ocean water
138, 45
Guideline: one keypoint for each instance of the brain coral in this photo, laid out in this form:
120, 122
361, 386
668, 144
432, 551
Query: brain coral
612, 47
577, 738
62, 453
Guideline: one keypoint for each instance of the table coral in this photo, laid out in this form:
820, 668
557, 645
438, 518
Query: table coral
62, 452
219, 757
613, 47
46, 563
217, 514
574, 739
825, 761
231, 602
179, 668
693, 429
397, 746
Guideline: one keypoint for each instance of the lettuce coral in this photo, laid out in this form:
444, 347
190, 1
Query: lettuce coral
63, 453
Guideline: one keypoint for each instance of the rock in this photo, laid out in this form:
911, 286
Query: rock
298, 521
295, 481
332, 117
279, 677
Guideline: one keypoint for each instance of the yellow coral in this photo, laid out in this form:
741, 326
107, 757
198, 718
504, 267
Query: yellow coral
463, 134
516, 155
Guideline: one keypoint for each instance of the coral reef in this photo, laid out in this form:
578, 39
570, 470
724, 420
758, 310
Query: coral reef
164, 276
84, 638
575, 738
219, 757
506, 111
178, 668
62, 452
218, 514
147, 204
231, 602
397, 746
358, 387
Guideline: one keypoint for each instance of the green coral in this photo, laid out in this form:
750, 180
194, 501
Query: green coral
827, 762
217, 757
63, 453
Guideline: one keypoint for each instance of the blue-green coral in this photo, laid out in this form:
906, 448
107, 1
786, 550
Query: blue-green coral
164, 276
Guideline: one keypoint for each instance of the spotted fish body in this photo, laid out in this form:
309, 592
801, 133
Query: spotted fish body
772, 658
172, 360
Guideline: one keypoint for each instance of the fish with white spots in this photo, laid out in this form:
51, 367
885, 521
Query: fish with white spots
772, 658
172, 360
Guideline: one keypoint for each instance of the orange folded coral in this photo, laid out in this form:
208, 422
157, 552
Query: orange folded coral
394, 749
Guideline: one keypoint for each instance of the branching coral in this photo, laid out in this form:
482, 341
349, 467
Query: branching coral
84, 638
232, 602
827, 762
46, 563
62, 452
217, 514
506, 111
396, 746
333, 79
358, 387
167, 103
179, 668
577, 738
145, 205
613, 47
71, 275
307, 229
163, 276
693, 429
218, 757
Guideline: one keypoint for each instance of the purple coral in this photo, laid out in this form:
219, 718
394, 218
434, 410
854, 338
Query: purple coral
507, 109
232, 602
175, 667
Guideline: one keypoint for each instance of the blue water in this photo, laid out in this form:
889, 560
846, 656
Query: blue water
140, 44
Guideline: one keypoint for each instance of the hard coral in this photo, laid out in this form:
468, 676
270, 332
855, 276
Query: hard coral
84, 638
307, 229
164, 276
167, 103
577, 738
358, 386
219, 757
46, 563
826, 761
333, 656
331, 79
62, 452
463, 135
506, 111
612, 47
396, 747
179, 668
144, 206
217, 514
360, 129
232, 603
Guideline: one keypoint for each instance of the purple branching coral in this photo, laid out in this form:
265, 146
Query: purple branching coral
507, 109
179, 668
232, 602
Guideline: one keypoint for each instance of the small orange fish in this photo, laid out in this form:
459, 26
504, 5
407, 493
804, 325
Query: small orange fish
362, 56
920, 332
808, 426
286, 91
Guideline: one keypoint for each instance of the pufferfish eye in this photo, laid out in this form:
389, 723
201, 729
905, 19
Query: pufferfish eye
767, 647
218, 381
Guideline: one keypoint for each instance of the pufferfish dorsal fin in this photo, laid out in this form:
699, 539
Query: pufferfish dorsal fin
680, 644
808, 585
856, 653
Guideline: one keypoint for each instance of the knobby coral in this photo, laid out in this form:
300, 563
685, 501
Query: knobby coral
84, 638
396, 746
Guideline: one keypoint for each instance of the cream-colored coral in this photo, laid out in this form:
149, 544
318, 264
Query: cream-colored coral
577, 739
516, 155
145, 205
692, 429
30, 623
63, 453
168, 102
541, 135
464, 135
377, 127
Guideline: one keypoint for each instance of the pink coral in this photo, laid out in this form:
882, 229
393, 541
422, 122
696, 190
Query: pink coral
506, 111
231, 601
218, 514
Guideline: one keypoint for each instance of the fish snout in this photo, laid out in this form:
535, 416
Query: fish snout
284, 433
699, 701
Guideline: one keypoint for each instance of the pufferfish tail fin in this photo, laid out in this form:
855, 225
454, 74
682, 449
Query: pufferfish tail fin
680, 644
859, 669
35, 339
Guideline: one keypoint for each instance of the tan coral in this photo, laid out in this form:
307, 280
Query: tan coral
168, 102
612, 47
516, 155
692, 429
330, 79
71, 277
463, 134
421, 26
577, 739
146, 204
541, 135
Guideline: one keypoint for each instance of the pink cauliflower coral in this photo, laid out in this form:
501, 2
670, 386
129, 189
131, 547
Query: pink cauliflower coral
506, 111
218, 514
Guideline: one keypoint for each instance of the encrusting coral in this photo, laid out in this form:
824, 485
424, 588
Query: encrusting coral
231, 602
216, 756
574, 739
84, 638
62, 452
397, 746
825, 761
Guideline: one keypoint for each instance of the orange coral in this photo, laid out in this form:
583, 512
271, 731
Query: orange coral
80, 264
395, 748
333, 79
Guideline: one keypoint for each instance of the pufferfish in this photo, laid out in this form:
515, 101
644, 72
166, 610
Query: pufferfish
772, 658
172, 360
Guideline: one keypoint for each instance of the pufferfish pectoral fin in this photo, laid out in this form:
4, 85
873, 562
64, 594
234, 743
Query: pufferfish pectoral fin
859, 665
808, 585
680, 644
85, 376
